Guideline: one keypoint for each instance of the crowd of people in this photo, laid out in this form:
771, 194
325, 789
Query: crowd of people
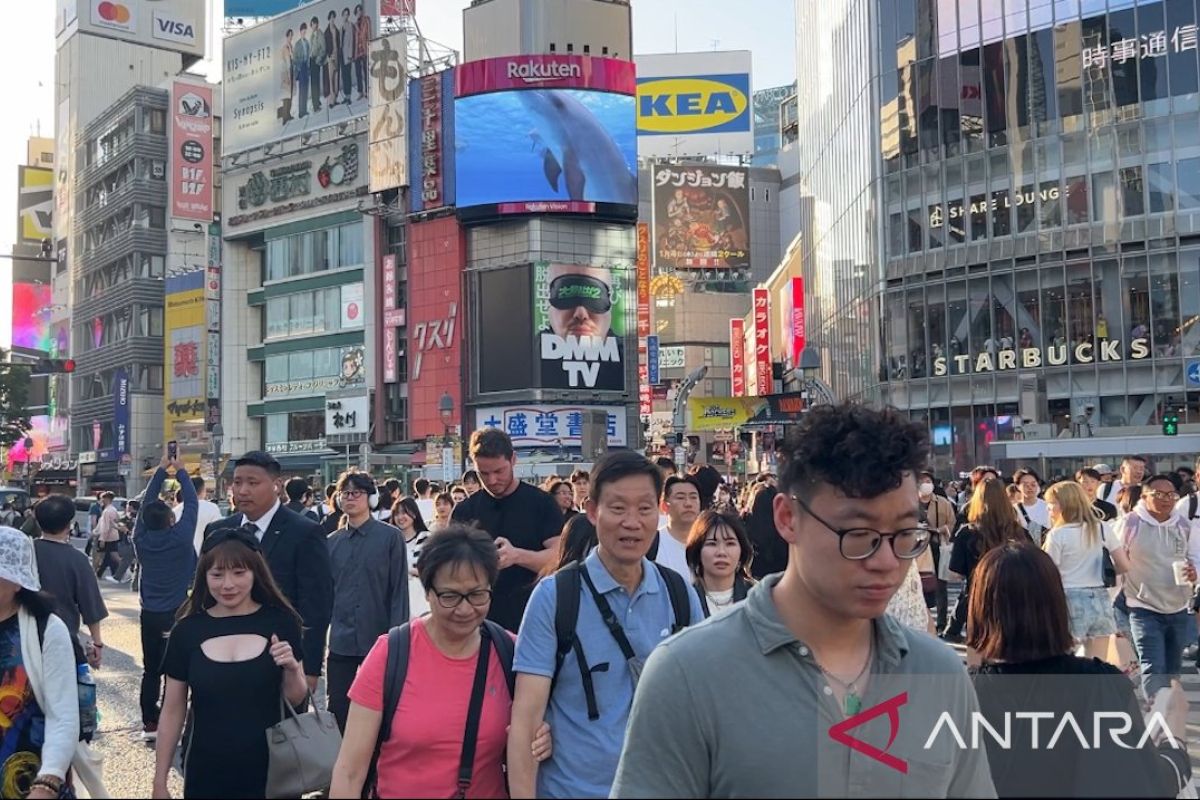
628, 631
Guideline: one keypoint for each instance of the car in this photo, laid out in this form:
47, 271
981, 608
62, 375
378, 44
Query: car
18, 497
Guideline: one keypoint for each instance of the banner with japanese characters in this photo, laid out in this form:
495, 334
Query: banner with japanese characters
701, 217
550, 425
737, 355
191, 163
762, 342
582, 316
387, 140
184, 358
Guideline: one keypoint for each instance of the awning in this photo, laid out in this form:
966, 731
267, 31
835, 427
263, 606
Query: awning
59, 476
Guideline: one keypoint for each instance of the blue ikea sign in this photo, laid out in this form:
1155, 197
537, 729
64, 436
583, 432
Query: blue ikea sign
679, 106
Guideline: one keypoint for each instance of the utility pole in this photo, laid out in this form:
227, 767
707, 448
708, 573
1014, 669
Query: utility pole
679, 418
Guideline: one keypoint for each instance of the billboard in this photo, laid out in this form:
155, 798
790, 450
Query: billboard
737, 356
297, 73
309, 180
387, 140
185, 360
720, 413
431, 145
701, 217
694, 104
35, 205
550, 425
762, 342
31, 315
582, 315
436, 255
545, 134
191, 164
120, 390
179, 25
791, 319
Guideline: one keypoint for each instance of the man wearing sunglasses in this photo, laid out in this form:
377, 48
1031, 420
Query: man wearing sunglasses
808, 689
578, 347
370, 586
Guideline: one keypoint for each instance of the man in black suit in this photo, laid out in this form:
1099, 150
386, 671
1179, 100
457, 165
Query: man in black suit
293, 546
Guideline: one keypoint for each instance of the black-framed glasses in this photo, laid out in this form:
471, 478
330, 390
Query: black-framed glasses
1163, 495
351, 494
857, 544
478, 598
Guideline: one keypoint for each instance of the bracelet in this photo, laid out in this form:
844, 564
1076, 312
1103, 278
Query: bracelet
98, 645
51, 782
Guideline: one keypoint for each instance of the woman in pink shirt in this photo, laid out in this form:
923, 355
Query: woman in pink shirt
457, 567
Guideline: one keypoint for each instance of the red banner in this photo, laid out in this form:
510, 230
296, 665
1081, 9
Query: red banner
551, 71
737, 352
797, 320
762, 342
191, 164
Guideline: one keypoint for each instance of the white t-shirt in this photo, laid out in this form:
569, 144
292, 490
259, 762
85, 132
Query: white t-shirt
1082, 567
206, 513
417, 604
1038, 512
671, 553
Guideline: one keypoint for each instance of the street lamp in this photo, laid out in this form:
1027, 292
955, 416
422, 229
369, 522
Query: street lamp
218, 437
446, 410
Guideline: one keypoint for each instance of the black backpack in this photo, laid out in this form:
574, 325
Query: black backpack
1193, 501
399, 643
568, 585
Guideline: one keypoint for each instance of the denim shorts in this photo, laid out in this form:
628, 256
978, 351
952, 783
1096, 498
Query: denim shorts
1091, 613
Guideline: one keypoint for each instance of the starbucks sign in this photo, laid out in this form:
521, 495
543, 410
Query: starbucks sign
1104, 351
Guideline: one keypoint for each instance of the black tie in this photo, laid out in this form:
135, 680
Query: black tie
251, 529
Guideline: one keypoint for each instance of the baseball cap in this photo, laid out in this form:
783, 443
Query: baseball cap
1103, 469
18, 563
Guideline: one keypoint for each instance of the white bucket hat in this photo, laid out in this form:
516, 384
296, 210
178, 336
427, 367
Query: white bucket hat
17, 560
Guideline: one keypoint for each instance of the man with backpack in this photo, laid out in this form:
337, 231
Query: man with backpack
586, 633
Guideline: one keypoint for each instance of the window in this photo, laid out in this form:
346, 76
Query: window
1026, 203
300, 366
315, 251
1001, 213
1181, 64
1164, 306
1160, 183
277, 428
158, 120
301, 313
158, 217
916, 229
277, 369
1050, 196
1188, 175
277, 317
1132, 192
306, 426
1104, 197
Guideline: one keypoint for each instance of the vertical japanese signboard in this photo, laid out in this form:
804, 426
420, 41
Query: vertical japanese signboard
191, 164
645, 398
652, 359
212, 324
795, 323
762, 342
185, 361
391, 366
737, 355
431, 147
387, 141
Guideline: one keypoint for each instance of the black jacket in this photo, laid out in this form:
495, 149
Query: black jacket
298, 556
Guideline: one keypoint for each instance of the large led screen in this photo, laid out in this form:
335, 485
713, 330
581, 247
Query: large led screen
546, 146
31, 316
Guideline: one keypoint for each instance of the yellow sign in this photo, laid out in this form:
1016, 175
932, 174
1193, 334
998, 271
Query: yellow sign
708, 104
185, 352
35, 204
721, 413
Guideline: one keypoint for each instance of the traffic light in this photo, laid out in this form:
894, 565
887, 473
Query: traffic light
1170, 424
52, 366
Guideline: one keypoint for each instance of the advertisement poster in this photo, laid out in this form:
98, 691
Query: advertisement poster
31, 316
121, 410
720, 413
701, 217
352, 306
762, 342
297, 73
179, 25
695, 104
581, 315
387, 141
191, 165
310, 180
35, 204
793, 322
546, 134
431, 145
737, 355
185, 359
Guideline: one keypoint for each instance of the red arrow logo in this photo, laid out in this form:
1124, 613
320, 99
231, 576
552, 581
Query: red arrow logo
890, 707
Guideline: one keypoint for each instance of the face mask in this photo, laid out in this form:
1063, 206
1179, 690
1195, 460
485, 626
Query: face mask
925, 488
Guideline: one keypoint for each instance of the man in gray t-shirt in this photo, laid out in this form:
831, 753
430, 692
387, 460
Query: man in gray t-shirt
808, 689
67, 574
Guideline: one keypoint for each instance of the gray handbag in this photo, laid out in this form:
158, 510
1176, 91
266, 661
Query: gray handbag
302, 750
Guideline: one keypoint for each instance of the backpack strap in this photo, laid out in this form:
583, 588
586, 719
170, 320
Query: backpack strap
568, 585
505, 650
1193, 502
652, 553
677, 590
703, 601
399, 644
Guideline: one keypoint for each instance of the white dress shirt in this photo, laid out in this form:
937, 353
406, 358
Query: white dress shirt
207, 513
262, 522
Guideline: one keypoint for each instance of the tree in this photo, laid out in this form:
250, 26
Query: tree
15, 422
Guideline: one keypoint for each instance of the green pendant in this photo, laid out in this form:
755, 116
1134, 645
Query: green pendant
852, 704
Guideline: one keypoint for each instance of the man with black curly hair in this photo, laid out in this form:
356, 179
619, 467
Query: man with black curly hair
711, 709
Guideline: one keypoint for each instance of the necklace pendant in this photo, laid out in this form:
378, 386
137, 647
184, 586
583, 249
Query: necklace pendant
852, 704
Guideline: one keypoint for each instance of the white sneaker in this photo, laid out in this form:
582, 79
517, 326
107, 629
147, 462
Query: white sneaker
110, 579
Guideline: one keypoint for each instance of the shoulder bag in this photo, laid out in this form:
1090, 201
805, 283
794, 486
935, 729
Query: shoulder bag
302, 749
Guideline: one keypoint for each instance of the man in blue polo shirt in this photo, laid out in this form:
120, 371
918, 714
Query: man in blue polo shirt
589, 726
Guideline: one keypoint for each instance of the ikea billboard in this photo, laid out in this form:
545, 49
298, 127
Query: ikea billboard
695, 104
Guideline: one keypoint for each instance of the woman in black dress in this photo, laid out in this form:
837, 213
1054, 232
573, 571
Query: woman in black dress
234, 649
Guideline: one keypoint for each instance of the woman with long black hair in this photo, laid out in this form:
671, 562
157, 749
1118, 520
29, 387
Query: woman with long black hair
406, 515
234, 650
719, 555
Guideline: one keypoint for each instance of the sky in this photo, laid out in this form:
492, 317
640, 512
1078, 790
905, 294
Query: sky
659, 26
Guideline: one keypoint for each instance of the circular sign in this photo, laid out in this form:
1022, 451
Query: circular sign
192, 151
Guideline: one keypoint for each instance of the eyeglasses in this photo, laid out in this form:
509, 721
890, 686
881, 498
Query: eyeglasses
858, 544
1162, 495
352, 494
478, 598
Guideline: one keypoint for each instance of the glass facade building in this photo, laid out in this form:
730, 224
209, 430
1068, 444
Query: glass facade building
1027, 174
